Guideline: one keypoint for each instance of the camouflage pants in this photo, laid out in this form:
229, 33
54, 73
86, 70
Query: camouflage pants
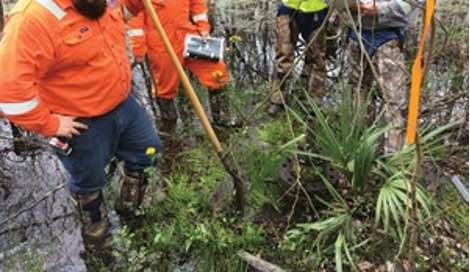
287, 37
392, 81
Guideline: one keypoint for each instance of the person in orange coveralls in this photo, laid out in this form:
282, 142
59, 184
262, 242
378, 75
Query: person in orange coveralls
65, 72
136, 35
180, 18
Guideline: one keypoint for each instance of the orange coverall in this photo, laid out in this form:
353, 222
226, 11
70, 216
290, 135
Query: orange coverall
55, 61
179, 18
137, 36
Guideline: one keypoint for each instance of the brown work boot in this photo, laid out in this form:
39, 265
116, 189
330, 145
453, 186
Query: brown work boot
276, 99
93, 215
221, 111
132, 188
169, 117
168, 133
186, 113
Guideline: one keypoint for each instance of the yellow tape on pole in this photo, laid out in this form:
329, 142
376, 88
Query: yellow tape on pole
417, 76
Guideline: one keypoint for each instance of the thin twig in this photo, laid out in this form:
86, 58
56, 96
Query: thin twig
414, 231
47, 195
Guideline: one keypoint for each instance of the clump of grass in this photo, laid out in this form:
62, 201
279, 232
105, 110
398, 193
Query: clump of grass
275, 132
261, 166
454, 208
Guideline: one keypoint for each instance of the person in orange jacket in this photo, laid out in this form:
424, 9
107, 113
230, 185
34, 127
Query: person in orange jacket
136, 35
180, 18
66, 73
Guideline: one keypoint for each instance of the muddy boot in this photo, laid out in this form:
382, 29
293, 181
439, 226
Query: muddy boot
186, 113
93, 215
276, 105
221, 116
169, 117
187, 118
132, 189
168, 133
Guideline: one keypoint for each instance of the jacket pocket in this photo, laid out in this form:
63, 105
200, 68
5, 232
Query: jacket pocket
78, 37
81, 46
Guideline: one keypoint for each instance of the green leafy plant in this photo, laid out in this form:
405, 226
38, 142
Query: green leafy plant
393, 202
376, 185
345, 141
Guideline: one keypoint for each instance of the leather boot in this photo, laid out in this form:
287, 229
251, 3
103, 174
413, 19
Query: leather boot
93, 215
186, 114
276, 104
132, 188
221, 110
169, 118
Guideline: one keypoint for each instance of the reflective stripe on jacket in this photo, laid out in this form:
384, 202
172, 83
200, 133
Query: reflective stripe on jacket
55, 60
186, 15
136, 34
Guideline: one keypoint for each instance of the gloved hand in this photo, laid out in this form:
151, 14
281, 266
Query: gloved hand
204, 35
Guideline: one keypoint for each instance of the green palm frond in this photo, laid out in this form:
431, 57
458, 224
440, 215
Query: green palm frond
345, 141
431, 142
393, 201
339, 244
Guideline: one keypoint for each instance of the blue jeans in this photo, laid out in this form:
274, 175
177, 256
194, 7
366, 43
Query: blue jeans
373, 39
125, 132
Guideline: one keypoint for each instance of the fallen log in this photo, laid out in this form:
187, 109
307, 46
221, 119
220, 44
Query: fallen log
258, 263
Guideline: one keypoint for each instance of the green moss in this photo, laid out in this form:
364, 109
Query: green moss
275, 132
31, 260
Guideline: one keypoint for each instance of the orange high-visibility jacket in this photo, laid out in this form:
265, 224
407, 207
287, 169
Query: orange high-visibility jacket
178, 17
54, 60
137, 35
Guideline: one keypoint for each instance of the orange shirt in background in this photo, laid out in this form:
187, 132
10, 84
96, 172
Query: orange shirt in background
137, 35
